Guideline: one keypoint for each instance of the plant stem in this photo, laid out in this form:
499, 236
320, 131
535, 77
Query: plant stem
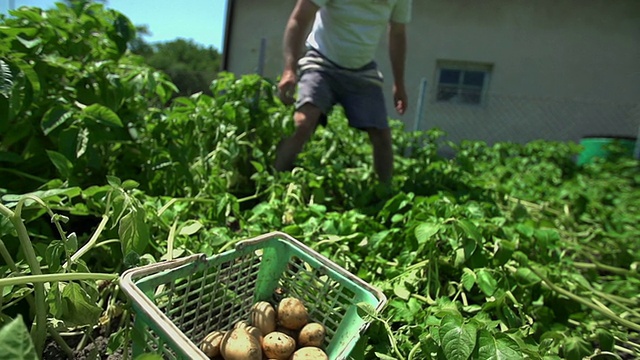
25, 175
392, 339
7, 257
39, 331
600, 266
604, 311
171, 239
90, 244
39, 279
60, 341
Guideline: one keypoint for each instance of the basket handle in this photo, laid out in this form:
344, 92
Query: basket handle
162, 266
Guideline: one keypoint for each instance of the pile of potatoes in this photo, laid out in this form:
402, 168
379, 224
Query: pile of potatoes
280, 333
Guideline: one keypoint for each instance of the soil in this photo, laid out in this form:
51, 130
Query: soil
95, 348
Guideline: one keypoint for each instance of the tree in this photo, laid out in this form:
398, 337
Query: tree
191, 67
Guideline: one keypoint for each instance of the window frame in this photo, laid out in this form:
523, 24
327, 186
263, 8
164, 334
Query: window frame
463, 67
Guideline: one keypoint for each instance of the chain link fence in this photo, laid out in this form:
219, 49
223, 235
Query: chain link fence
520, 119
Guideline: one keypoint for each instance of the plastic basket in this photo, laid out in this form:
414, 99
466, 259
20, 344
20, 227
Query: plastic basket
177, 303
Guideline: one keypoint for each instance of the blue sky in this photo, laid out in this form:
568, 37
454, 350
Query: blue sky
199, 20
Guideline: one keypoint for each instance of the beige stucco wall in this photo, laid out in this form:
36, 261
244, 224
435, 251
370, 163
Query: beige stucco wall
562, 69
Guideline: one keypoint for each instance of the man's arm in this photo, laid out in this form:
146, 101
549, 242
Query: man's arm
397, 55
299, 22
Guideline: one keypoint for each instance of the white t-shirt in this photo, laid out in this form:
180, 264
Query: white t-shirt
348, 31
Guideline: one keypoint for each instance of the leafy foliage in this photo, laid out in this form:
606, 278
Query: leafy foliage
502, 252
190, 66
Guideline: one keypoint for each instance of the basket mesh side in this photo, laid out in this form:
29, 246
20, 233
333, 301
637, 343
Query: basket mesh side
223, 290
326, 299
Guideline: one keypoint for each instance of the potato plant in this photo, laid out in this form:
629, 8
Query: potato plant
500, 251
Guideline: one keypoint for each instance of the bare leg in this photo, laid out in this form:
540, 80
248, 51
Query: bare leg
306, 119
382, 153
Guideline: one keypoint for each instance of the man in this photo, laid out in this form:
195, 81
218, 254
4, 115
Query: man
338, 68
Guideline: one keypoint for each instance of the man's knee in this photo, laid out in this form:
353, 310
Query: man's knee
380, 137
306, 118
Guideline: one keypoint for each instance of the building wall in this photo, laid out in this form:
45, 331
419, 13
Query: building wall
561, 69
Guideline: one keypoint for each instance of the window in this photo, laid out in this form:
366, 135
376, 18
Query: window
462, 82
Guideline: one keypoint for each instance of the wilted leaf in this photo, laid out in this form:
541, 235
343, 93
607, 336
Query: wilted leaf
81, 309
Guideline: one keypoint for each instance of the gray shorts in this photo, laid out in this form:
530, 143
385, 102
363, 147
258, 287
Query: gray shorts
362, 100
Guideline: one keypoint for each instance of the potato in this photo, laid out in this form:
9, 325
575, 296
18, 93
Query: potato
242, 324
210, 345
254, 331
263, 317
290, 332
277, 345
292, 313
238, 344
312, 334
309, 353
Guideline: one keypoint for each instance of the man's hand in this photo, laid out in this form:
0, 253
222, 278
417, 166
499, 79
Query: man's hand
287, 87
400, 98
299, 22
397, 53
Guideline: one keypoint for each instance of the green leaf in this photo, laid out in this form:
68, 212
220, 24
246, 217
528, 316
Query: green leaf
486, 282
465, 252
29, 44
82, 309
53, 255
134, 232
61, 163
526, 277
31, 75
605, 339
366, 310
468, 278
102, 115
52, 195
54, 118
190, 227
425, 232
15, 341
13, 31
500, 347
458, 339
401, 291
470, 229
6, 79
576, 348
130, 184
114, 181
382, 356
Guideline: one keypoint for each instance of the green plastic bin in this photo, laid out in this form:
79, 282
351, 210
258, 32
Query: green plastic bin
599, 147
177, 303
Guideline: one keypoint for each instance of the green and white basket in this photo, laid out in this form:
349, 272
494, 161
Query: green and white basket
177, 303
